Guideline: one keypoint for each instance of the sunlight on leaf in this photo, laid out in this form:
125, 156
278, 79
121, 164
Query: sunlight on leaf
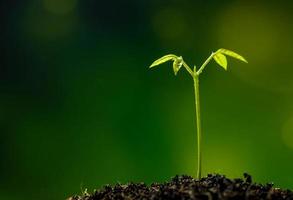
163, 59
221, 60
232, 54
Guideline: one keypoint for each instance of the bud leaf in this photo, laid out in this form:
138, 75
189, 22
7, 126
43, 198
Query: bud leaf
177, 64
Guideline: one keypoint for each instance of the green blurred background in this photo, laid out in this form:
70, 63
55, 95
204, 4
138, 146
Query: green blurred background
79, 107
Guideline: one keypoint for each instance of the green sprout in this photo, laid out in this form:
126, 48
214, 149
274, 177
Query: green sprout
220, 57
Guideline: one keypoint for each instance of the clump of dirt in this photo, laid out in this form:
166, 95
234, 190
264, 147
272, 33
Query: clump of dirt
212, 187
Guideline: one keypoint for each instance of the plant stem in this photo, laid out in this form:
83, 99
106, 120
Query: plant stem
188, 69
205, 63
198, 122
195, 75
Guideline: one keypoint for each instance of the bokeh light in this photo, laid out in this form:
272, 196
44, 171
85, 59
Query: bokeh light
260, 30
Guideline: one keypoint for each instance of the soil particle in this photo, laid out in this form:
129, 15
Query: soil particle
184, 187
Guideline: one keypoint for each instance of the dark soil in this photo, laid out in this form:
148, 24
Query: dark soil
185, 187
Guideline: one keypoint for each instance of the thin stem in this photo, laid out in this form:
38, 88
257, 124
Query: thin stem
198, 122
205, 64
188, 69
195, 74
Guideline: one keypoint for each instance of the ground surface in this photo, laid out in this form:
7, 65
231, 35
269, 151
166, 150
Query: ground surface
185, 187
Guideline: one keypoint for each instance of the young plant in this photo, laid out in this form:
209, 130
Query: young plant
220, 57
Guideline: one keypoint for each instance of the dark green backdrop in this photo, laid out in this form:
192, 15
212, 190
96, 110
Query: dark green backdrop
79, 107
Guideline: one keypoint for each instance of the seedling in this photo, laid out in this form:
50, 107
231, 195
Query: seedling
220, 57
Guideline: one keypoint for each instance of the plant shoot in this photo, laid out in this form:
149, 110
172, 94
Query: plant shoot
220, 57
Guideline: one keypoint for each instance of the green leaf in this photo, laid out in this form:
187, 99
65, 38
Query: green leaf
221, 60
177, 64
232, 54
163, 59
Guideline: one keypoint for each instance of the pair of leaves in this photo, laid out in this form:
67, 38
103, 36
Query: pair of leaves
177, 62
220, 57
